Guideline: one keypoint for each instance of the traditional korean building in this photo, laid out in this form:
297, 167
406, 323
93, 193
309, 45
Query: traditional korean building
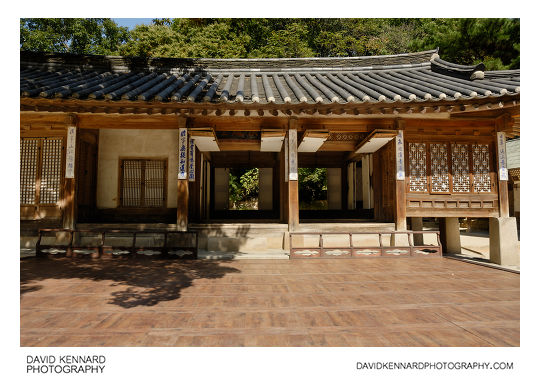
114, 141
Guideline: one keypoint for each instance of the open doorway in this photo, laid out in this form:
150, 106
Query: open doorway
313, 188
243, 188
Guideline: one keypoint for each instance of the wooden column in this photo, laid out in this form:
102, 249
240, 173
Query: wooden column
70, 185
400, 205
284, 180
182, 188
502, 172
294, 216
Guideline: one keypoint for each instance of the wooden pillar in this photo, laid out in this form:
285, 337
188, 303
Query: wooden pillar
450, 235
351, 186
400, 206
284, 180
70, 185
502, 174
294, 215
366, 181
183, 184
417, 225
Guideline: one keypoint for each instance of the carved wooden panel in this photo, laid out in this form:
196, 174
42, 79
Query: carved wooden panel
51, 171
29, 163
461, 181
440, 181
417, 167
481, 165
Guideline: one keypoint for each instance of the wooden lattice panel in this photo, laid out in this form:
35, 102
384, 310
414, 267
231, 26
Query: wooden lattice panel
417, 167
143, 183
481, 175
461, 181
51, 171
514, 174
153, 183
131, 183
440, 181
29, 166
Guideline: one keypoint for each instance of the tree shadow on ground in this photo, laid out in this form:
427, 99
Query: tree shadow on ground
144, 281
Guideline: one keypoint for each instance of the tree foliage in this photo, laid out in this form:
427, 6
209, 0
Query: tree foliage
464, 41
312, 187
494, 41
243, 188
72, 35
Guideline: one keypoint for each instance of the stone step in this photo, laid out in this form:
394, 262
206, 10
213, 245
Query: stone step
345, 227
242, 244
277, 254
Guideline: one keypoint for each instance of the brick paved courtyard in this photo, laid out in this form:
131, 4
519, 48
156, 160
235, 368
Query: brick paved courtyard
328, 302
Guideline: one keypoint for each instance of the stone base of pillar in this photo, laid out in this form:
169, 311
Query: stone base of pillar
450, 236
503, 241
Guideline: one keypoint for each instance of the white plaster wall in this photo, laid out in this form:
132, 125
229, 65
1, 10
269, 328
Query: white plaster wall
115, 144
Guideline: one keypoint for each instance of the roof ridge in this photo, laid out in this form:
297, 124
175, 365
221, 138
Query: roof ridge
118, 63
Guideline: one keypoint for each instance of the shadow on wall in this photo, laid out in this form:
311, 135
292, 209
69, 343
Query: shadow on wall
140, 282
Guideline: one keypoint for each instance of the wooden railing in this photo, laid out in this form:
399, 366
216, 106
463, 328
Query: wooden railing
187, 251
322, 250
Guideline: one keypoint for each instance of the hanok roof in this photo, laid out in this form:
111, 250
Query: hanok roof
403, 78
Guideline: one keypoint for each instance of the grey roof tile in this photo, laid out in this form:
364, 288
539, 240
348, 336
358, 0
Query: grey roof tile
414, 77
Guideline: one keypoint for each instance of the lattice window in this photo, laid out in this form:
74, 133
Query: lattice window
461, 181
417, 168
440, 181
481, 174
430, 166
29, 168
51, 166
41, 170
143, 183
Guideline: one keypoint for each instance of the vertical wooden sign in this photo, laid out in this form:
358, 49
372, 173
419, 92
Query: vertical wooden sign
501, 153
293, 155
286, 151
400, 157
182, 153
70, 152
191, 160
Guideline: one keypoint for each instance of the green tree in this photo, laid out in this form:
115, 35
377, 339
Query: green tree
312, 187
243, 188
186, 38
291, 42
494, 41
72, 35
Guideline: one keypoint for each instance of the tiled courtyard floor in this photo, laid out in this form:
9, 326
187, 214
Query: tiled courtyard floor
328, 302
